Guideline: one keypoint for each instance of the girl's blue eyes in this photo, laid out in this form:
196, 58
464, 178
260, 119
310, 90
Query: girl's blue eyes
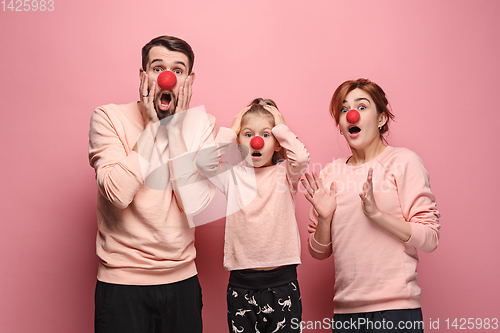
249, 135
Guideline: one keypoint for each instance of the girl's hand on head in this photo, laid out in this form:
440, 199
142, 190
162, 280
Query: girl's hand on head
370, 207
323, 200
278, 117
236, 125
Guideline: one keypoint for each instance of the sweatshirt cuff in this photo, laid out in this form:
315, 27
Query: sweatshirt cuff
280, 131
319, 248
422, 237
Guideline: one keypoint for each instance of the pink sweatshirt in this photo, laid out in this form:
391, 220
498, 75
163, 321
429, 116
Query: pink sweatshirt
261, 229
374, 270
144, 237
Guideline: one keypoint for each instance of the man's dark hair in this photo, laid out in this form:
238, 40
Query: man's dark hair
171, 43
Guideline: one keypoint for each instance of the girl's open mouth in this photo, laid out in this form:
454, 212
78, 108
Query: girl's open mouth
256, 155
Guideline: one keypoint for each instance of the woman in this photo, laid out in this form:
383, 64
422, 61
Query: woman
372, 210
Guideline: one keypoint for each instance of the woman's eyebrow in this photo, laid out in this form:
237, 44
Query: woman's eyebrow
362, 98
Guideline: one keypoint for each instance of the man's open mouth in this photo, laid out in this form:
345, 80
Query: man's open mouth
165, 100
354, 129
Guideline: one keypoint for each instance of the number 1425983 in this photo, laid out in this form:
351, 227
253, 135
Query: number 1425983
28, 5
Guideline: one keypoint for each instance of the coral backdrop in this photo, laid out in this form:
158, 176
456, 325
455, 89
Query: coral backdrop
436, 60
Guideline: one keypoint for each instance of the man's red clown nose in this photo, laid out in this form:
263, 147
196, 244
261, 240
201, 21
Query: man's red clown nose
352, 116
167, 80
257, 142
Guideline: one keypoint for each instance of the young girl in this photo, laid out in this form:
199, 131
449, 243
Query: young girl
373, 210
262, 243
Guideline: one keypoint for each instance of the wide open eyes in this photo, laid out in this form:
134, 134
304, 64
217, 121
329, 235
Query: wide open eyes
176, 71
264, 135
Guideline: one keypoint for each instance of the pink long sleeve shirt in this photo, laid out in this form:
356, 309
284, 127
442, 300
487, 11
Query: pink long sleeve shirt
374, 270
144, 237
261, 229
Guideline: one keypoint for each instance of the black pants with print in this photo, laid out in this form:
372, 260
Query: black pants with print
264, 301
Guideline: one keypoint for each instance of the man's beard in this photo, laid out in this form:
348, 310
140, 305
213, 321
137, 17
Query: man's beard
171, 110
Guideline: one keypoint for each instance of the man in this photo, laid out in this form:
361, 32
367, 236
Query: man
149, 189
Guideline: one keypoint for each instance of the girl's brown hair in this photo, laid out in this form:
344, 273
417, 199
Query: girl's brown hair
257, 109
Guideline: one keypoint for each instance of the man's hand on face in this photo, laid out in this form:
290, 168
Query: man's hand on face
185, 92
147, 97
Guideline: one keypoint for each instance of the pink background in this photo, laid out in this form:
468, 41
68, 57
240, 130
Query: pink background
436, 60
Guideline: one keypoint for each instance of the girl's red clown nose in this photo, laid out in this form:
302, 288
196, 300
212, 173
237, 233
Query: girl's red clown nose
257, 142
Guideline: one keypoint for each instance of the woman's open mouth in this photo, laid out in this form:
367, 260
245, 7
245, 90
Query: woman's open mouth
354, 131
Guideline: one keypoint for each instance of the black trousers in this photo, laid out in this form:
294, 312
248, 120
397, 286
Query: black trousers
167, 308
264, 301
405, 320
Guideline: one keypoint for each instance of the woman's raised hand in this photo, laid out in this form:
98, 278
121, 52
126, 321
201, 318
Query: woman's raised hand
322, 199
370, 207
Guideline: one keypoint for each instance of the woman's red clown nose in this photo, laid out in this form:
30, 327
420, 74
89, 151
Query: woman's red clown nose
352, 116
